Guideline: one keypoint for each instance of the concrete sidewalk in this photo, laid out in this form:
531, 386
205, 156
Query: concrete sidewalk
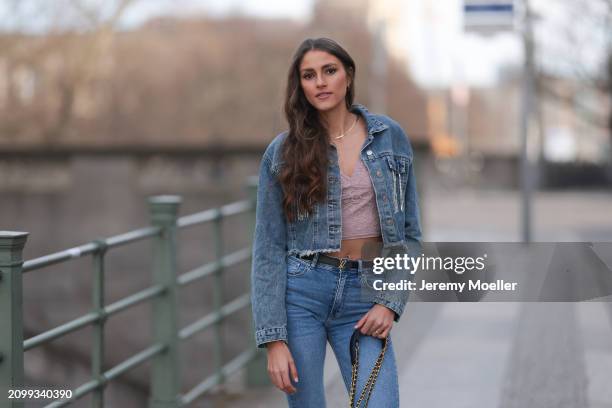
494, 354
471, 355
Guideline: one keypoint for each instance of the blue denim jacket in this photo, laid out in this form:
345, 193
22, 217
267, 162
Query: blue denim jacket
388, 156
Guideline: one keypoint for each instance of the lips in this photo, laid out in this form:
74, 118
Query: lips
323, 95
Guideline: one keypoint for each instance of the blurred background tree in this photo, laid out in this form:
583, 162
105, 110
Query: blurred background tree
576, 42
78, 79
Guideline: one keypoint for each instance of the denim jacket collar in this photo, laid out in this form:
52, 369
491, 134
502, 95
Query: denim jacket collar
374, 125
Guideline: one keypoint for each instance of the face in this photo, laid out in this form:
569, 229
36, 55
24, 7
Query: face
323, 79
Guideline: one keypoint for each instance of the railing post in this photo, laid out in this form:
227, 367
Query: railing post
256, 370
218, 297
98, 351
165, 381
11, 318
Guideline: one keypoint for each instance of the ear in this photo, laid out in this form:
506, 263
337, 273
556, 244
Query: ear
349, 78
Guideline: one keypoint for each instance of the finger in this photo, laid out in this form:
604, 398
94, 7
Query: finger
374, 323
361, 321
385, 333
378, 327
376, 332
366, 328
289, 389
293, 371
281, 384
276, 380
287, 386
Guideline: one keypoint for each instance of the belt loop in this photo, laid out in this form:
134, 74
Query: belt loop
315, 259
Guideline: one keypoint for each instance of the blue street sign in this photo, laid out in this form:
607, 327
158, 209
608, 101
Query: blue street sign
488, 7
488, 16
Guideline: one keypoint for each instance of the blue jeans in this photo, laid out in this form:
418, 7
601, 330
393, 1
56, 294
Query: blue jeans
323, 304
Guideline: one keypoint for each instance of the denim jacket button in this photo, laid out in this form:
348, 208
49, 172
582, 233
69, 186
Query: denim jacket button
369, 152
378, 173
389, 221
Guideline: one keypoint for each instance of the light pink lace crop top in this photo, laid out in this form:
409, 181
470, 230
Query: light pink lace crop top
359, 211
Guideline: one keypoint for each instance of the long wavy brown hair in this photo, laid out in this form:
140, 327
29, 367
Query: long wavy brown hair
303, 177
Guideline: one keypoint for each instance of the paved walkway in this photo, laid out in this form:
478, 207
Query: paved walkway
494, 354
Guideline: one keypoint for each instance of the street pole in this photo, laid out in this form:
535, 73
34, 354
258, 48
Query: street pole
526, 123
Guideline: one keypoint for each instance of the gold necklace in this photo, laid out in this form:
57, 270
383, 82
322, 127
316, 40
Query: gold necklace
351, 128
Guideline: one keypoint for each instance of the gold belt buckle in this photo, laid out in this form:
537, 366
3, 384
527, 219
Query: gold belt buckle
343, 262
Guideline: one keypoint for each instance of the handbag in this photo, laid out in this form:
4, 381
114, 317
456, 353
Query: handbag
369, 385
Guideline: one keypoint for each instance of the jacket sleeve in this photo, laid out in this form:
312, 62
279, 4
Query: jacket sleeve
396, 299
268, 269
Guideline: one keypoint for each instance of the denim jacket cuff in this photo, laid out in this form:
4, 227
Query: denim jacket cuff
270, 334
398, 308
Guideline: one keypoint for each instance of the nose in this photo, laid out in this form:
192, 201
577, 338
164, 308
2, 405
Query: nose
320, 81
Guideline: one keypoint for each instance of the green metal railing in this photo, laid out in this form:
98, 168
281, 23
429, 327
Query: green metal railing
167, 337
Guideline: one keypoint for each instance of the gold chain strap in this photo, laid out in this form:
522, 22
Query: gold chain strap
369, 385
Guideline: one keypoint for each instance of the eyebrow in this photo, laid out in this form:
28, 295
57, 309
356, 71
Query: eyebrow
331, 64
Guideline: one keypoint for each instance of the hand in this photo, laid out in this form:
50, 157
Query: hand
377, 322
281, 365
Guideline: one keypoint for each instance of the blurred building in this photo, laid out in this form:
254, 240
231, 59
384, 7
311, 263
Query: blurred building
571, 142
384, 79
176, 82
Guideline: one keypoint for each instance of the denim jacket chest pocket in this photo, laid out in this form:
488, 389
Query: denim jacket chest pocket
398, 167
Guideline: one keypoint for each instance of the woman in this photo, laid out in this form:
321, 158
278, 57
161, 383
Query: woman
338, 183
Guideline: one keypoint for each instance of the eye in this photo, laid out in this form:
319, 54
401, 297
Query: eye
331, 70
307, 76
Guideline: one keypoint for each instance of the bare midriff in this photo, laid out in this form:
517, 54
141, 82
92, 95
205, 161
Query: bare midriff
352, 248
